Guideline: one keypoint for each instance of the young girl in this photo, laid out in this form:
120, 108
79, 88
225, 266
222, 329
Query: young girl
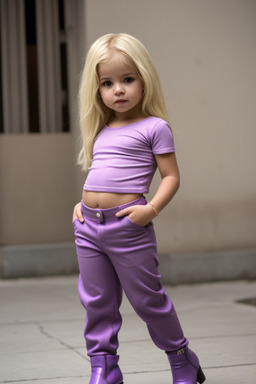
125, 137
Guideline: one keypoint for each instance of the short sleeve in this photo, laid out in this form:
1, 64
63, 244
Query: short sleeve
162, 139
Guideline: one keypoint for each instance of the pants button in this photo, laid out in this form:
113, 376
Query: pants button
98, 214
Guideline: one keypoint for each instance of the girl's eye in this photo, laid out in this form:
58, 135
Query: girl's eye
128, 80
107, 83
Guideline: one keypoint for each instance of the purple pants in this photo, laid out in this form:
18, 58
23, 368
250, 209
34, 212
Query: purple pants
115, 254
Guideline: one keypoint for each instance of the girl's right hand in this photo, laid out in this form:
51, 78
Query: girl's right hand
77, 213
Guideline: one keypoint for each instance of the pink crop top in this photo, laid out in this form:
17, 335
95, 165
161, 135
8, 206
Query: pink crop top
123, 158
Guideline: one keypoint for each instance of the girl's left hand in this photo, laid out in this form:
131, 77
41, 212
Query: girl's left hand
139, 214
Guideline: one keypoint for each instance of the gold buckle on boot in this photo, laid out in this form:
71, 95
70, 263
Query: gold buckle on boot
181, 351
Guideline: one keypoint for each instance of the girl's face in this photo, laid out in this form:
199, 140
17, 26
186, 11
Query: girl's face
120, 87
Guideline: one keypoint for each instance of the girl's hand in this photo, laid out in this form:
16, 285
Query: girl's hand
77, 213
139, 214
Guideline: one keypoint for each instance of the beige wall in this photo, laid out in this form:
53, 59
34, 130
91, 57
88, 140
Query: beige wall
37, 188
39, 179
205, 53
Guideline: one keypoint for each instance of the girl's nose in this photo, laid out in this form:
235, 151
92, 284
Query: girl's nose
119, 89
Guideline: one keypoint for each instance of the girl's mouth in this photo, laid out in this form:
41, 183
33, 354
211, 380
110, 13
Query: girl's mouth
120, 101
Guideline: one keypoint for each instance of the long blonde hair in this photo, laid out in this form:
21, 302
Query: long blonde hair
94, 115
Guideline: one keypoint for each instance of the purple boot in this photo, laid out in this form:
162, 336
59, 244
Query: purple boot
185, 367
105, 370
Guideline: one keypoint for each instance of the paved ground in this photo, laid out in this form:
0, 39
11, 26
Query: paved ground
41, 334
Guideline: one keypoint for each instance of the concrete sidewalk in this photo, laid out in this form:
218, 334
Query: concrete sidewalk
41, 334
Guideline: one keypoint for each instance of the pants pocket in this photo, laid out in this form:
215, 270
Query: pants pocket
139, 226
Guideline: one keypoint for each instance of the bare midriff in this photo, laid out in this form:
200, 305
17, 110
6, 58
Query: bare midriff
104, 200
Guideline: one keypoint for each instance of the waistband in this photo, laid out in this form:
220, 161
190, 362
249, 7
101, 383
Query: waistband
102, 215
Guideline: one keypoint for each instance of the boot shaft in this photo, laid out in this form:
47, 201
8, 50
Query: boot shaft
105, 370
185, 367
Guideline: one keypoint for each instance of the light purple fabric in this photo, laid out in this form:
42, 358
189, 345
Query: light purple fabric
115, 254
123, 158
